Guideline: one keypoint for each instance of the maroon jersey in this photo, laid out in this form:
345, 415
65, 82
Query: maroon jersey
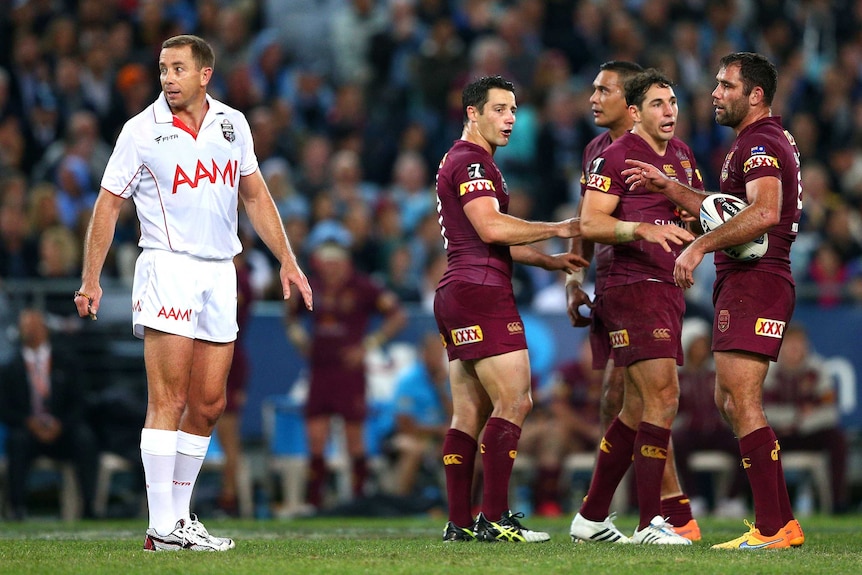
340, 319
466, 172
641, 260
765, 149
603, 253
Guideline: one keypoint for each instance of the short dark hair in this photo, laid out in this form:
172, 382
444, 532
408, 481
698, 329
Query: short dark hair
637, 86
622, 68
202, 52
755, 70
475, 93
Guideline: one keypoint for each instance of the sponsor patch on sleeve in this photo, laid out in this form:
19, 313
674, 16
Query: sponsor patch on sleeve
599, 182
769, 328
760, 161
476, 186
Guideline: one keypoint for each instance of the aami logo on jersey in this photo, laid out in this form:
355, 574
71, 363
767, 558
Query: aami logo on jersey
769, 328
619, 338
465, 335
177, 314
599, 182
476, 186
759, 161
227, 175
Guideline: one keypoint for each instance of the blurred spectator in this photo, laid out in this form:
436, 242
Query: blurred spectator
19, 253
698, 424
800, 400
423, 408
76, 191
410, 190
81, 138
829, 273
41, 403
564, 421
353, 26
346, 301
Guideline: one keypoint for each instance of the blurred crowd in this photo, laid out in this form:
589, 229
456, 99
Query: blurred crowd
353, 102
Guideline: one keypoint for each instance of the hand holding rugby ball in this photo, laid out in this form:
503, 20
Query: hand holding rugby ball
717, 209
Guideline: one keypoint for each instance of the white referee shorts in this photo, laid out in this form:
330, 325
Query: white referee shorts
184, 295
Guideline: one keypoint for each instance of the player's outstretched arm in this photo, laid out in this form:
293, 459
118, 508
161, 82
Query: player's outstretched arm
100, 235
267, 223
654, 180
495, 227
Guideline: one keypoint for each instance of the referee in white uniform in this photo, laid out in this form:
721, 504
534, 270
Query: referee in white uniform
185, 161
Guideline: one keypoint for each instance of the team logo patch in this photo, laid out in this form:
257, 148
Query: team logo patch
661, 334
465, 335
515, 327
769, 328
790, 138
723, 320
653, 452
760, 161
475, 171
599, 182
476, 186
227, 131
669, 170
619, 338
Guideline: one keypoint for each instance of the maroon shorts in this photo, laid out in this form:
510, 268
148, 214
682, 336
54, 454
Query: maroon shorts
477, 321
599, 342
336, 392
751, 311
644, 321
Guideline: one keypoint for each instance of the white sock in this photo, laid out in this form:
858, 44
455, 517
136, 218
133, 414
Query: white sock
191, 450
158, 453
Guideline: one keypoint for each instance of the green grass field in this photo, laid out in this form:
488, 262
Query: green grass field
410, 546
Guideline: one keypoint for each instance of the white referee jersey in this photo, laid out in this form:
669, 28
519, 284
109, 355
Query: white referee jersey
185, 188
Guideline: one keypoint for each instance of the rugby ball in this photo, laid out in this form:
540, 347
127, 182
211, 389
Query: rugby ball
717, 209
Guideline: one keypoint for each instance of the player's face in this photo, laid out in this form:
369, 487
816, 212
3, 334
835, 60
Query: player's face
656, 119
608, 101
182, 82
497, 119
731, 104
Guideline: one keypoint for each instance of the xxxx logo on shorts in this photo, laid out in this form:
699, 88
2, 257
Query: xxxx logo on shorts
723, 320
653, 452
769, 328
452, 459
465, 335
619, 338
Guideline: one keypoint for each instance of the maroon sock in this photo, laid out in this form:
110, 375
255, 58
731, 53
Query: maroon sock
759, 451
614, 459
783, 496
317, 475
677, 509
459, 458
650, 455
500, 446
359, 470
